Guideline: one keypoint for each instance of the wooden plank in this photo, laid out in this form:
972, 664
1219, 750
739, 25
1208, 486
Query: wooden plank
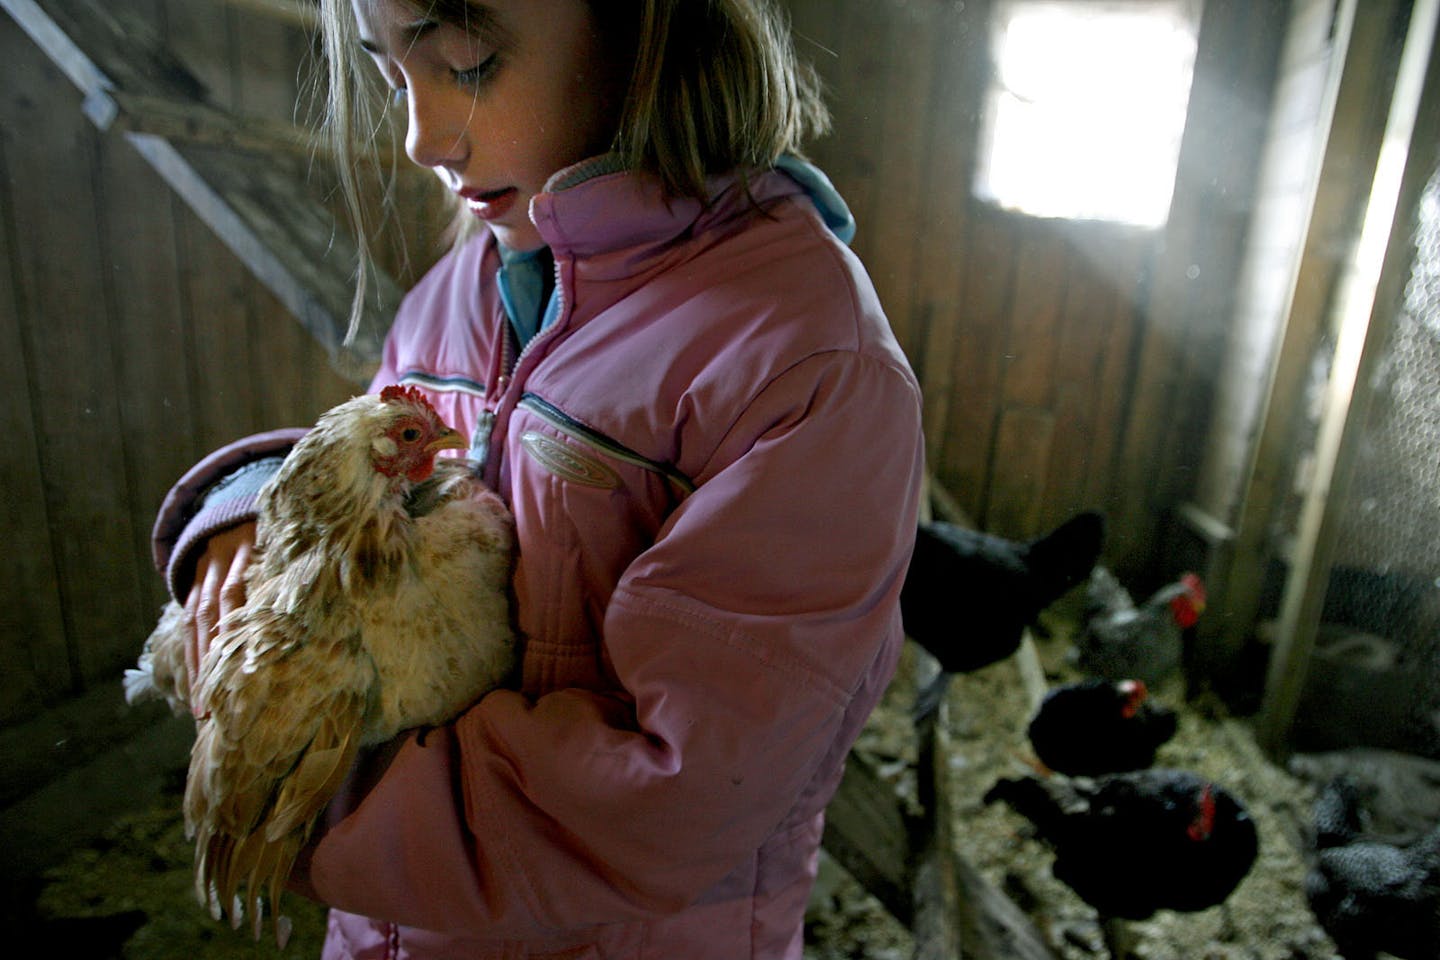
1033, 330
940, 903
100, 48
1114, 379
966, 453
959, 913
904, 120
32, 629
192, 122
856, 78
940, 242
1191, 287
146, 339
61, 269
1088, 389
1022, 454
267, 58
225, 354
867, 833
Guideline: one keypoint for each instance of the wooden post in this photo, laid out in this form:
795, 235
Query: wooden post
1366, 303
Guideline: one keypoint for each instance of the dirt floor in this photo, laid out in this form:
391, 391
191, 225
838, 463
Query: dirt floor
1266, 918
130, 895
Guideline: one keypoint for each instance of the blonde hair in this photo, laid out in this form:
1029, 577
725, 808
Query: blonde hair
715, 87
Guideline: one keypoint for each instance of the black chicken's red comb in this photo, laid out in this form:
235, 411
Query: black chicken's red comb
395, 392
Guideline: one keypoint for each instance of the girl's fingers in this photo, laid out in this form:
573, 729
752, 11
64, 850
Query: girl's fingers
204, 606
218, 589
207, 610
232, 591
192, 652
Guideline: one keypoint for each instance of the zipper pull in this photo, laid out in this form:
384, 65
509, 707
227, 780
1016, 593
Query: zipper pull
480, 438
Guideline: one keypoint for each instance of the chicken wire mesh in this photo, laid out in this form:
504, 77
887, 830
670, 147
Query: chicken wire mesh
1375, 677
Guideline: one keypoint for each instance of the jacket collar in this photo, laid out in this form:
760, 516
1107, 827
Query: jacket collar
597, 207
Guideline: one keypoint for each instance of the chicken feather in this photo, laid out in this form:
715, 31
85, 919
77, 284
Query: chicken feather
377, 600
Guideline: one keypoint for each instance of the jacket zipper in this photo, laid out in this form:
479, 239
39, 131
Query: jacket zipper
482, 436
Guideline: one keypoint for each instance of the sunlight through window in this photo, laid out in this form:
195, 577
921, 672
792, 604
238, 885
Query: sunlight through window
1087, 108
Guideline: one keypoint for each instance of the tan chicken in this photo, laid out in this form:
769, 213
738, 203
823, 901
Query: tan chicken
377, 601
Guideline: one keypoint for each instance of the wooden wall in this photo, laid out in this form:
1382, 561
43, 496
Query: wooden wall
1065, 365
133, 342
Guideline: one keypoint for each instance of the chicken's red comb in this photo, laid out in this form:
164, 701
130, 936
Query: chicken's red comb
1188, 606
1204, 823
395, 392
1135, 693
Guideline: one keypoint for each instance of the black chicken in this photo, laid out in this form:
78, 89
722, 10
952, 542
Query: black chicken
969, 595
1371, 895
1094, 727
1130, 844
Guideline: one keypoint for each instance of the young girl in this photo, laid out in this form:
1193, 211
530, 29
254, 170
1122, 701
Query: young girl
680, 379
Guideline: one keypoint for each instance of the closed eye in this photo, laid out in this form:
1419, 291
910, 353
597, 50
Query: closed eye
471, 79
478, 74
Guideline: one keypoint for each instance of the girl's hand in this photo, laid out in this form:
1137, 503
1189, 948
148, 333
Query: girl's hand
219, 587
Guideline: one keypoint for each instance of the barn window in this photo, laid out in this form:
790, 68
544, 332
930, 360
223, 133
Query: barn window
1086, 107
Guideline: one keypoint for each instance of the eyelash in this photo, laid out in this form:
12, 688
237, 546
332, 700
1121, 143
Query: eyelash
471, 78
477, 74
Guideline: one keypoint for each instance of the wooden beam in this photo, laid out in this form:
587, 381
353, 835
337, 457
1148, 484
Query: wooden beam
958, 913
289, 241
223, 166
1366, 305
868, 834
936, 889
1349, 139
198, 122
101, 49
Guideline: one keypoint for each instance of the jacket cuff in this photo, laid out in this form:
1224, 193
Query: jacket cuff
210, 498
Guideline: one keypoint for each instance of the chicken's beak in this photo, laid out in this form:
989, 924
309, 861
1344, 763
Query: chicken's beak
448, 440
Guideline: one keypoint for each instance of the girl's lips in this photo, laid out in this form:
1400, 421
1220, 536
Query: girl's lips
491, 205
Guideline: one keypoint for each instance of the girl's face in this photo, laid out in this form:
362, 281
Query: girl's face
496, 109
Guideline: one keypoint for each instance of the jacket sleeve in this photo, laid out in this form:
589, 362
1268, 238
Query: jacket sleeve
751, 641
217, 493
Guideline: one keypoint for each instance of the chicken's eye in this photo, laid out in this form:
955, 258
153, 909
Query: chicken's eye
410, 434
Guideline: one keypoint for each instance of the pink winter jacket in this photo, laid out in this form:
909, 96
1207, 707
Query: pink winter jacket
714, 459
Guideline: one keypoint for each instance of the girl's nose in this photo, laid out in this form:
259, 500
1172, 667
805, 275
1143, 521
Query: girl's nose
435, 138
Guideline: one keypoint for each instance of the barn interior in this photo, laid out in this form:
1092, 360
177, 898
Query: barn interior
1200, 295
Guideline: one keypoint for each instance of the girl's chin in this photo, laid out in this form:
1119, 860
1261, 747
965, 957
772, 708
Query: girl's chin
519, 239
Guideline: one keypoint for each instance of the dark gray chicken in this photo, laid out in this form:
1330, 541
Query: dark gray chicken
1121, 640
1368, 894
1094, 727
1130, 844
969, 595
